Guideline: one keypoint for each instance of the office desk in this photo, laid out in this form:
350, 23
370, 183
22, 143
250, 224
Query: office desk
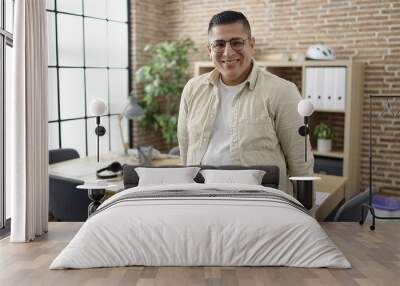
84, 169
335, 187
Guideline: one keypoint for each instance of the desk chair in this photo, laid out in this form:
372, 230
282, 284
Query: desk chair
60, 155
174, 151
351, 210
65, 202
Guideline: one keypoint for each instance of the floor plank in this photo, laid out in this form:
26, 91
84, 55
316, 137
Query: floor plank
374, 255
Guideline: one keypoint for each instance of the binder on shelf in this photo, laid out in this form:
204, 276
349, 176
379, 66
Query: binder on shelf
340, 88
328, 97
326, 87
314, 86
319, 87
309, 88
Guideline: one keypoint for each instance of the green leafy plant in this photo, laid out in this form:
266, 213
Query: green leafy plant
164, 77
324, 131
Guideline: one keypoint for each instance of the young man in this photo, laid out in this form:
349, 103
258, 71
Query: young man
239, 114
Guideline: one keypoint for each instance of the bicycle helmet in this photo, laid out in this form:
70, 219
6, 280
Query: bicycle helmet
320, 52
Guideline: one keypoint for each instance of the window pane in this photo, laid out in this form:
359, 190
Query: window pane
53, 136
70, 41
118, 79
70, 6
115, 133
73, 135
95, 8
50, 4
106, 48
117, 45
117, 10
96, 86
9, 15
8, 83
51, 27
72, 99
8, 69
92, 137
95, 42
52, 97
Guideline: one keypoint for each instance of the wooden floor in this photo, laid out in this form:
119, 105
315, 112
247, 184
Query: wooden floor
375, 257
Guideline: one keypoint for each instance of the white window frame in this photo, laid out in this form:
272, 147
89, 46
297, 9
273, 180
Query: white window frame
57, 66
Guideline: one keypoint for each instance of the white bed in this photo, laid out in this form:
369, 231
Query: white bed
185, 230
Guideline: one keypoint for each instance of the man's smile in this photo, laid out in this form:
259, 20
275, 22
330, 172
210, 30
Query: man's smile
230, 61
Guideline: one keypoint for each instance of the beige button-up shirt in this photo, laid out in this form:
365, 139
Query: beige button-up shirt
265, 123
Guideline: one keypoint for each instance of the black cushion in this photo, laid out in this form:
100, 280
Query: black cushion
270, 179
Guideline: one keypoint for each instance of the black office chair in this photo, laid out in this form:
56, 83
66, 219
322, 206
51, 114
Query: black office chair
351, 210
174, 151
65, 202
59, 155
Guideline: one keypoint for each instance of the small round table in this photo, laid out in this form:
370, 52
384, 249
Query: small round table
304, 192
95, 193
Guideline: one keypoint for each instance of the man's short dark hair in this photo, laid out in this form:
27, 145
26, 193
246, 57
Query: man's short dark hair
229, 17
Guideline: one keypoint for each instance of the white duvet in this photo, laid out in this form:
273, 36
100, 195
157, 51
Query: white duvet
200, 231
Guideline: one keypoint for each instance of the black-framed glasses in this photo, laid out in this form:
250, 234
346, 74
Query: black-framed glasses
237, 44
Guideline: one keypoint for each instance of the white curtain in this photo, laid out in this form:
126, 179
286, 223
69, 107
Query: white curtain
26, 123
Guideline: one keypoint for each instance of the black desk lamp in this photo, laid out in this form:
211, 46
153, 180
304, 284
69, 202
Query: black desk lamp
305, 108
98, 108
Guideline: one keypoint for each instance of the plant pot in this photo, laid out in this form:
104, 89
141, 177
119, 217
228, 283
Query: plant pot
324, 145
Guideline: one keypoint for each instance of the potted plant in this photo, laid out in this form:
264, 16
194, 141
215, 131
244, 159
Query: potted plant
324, 134
163, 78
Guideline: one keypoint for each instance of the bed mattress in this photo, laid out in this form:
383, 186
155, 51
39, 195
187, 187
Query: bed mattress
201, 225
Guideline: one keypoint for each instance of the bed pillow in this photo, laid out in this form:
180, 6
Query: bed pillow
248, 177
162, 176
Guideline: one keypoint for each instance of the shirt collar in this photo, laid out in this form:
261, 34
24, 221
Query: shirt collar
214, 76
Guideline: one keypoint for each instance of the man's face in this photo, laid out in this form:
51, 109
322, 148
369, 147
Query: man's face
232, 60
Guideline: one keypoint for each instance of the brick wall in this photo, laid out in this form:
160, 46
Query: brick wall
363, 30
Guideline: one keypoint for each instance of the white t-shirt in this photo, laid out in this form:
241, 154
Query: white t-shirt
218, 151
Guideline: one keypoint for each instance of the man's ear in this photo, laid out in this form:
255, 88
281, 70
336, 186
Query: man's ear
252, 43
209, 51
